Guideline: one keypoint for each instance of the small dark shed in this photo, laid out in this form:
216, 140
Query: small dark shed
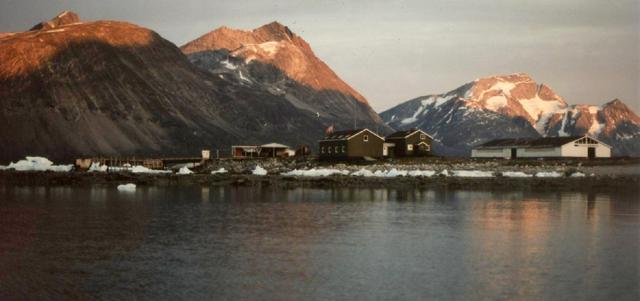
351, 144
413, 142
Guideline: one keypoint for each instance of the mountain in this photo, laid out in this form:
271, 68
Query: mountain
70, 88
510, 106
272, 58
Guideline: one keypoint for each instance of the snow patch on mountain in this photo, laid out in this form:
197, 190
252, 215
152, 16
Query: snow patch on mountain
495, 103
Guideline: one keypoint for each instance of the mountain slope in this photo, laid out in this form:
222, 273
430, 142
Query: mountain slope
274, 59
113, 88
512, 106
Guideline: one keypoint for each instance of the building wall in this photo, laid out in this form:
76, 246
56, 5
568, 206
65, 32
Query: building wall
324, 152
581, 150
550, 152
569, 150
491, 153
357, 147
414, 139
521, 153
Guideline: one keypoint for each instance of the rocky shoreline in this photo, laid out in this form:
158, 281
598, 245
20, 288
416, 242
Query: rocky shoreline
598, 175
594, 183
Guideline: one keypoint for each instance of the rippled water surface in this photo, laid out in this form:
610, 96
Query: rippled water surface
260, 243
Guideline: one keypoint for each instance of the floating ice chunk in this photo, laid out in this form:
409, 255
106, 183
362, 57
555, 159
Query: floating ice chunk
97, 167
516, 174
444, 173
548, 174
127, 187
320, 172
38, 164
184, 171
142, 169
395, 173
578, 175
472, 174
421, 173
362, 173
259, 171
219, 171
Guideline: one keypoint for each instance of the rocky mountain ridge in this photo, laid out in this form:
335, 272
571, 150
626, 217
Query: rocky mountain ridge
513, 106
71, 88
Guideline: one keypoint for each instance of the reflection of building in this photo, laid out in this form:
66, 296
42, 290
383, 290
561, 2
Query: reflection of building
548, 147
270, 150
351, 144
413, 142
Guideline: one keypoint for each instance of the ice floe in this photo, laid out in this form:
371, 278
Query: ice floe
549, 174
37, 164
184, 171
515, 174
219, 171
319, 172
142, 169
578, 175
97, 167
127, 187
472, 174
259, 171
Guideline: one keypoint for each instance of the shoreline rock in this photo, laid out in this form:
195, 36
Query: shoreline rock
596, 183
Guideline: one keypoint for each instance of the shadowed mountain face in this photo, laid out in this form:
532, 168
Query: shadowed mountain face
113, 88
512, 106
273, 59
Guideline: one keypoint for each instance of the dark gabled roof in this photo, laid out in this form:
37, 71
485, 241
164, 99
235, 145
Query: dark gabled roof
530, 142
346, 134
405, 133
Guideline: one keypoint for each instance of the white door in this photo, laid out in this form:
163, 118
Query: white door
385, 151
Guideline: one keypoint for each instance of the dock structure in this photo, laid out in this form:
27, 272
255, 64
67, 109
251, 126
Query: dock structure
124, 163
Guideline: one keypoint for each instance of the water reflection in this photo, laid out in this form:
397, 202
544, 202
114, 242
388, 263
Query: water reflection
238, 243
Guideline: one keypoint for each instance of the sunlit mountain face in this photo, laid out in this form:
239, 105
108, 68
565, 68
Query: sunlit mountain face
510, 106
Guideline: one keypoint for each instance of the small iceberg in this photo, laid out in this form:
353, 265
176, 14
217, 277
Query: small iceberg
38, 164
97, 167
184, 171
548, 174
516, 174
472, 174
219, 171
142, 169
127, 187
259, 171
320, 172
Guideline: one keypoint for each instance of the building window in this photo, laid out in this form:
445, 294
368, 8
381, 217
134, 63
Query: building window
336, 149
365, 138
328, 149
409, 147
423, 136
344, 149
322, 149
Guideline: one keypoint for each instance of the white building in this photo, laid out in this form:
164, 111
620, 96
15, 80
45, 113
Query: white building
548, 147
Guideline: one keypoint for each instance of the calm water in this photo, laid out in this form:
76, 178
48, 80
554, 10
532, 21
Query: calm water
257, 243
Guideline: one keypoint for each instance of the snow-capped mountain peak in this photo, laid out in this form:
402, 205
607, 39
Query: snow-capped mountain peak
514, 105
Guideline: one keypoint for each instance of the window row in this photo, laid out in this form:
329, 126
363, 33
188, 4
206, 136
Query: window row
335, 149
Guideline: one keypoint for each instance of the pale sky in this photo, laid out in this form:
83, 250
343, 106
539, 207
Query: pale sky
587, 51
